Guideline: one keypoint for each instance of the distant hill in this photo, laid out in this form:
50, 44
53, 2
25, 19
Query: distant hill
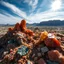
42, 23
52, 23
48, 23
7, 24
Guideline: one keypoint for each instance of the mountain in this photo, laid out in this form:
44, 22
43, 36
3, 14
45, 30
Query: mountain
52, 23
42, 23
49, 23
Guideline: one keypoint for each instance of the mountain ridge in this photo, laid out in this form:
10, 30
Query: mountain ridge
49, 23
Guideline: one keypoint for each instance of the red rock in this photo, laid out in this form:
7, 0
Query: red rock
53, 55
22, 28
52, 42
28, 31
61, 60
17, 27
41, 61
23, 25
10, 29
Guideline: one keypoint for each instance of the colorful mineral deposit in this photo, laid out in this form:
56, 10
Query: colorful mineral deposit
21, 45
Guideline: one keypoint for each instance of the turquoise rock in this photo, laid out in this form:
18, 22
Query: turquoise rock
51, 62
11, 41
23, 50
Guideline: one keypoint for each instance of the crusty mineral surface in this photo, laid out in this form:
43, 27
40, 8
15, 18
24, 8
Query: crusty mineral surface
21, 45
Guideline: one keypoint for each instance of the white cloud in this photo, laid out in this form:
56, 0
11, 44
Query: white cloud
32, 3
47, 15
37, 17
14, 9
9, 19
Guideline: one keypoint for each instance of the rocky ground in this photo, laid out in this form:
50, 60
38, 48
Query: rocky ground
20, 45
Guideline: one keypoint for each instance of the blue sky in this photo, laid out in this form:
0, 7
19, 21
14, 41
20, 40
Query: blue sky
34, 11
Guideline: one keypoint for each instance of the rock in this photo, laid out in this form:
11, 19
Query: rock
62, 38
23, 50
23, 25
39, 54
38, 49
20, 34
51, 62
41, 61
43, 35
35, 59
44, 49
17, 27
33, 55
12, 41
5, 52
21, 45
30, 62
51, 41
20, 41
54, 55
30, 32
10, 46
62, 59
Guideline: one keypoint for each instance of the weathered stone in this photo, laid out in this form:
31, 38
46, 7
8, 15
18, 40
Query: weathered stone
44, 49
39, 54
41, 61
54, 55
51, 62
23, 50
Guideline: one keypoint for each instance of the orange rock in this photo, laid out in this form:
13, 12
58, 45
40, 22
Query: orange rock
17, 27
57, 43
53, 55
23, 25
28, 31
52, 42
10, 29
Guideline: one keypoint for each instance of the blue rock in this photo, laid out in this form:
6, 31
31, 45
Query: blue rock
11, 41
23, 50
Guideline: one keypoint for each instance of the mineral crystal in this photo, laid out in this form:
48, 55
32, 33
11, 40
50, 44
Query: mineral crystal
23, 50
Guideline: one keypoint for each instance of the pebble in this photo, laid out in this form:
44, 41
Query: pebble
50, 62
38, 49
54, 55
30, 62
44, 49
35, 59
33, 55
41, 61
5, 52
39, 54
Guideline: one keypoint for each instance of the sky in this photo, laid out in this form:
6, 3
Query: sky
33, 11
